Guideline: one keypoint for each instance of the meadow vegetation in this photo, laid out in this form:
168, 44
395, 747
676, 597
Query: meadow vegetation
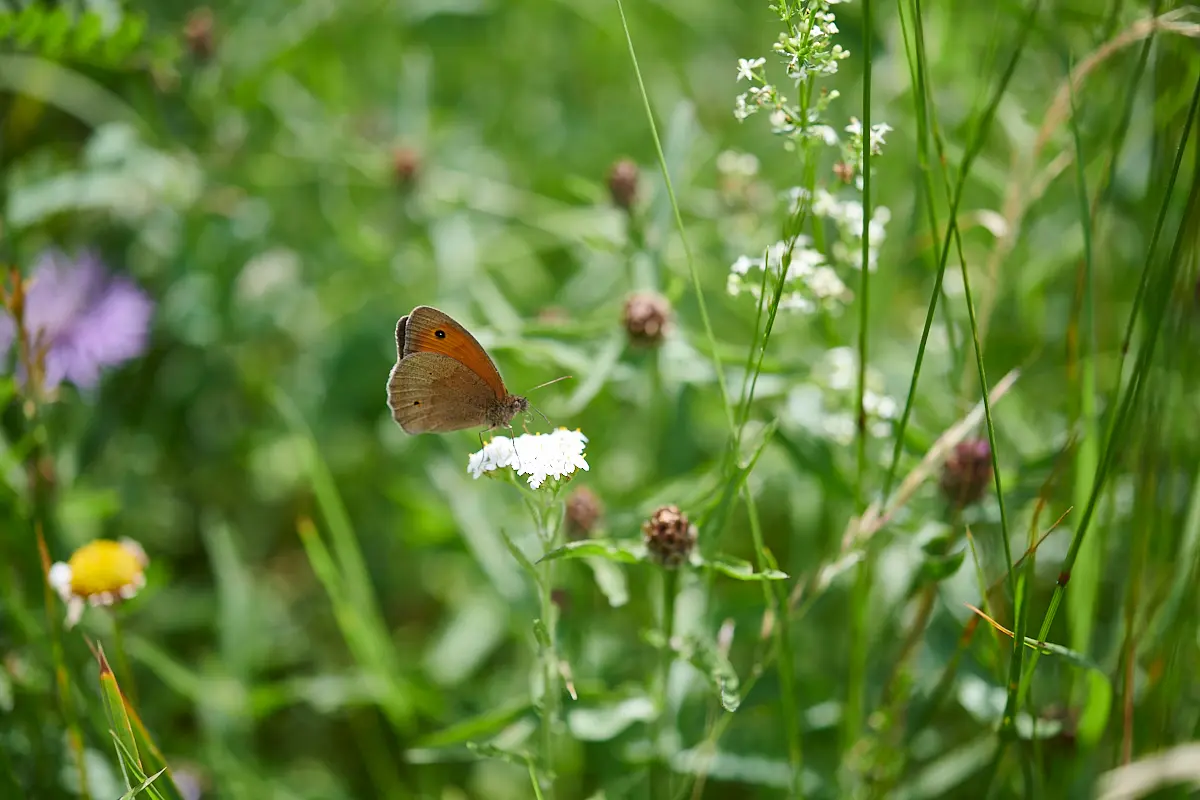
876, 473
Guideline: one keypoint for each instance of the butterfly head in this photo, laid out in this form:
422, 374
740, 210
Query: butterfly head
500, 415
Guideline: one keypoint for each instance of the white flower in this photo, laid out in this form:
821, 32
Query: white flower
826, 284
746, 67
101, 573
744, 263
741, 109
877, 134
825, 133
536, 455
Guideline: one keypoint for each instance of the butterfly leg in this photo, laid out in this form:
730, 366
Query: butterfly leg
514, 444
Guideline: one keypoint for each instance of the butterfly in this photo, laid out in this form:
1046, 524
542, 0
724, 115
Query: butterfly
443, 379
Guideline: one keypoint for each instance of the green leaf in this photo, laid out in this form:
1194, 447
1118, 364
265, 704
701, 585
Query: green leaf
87, 33
492, 751
938, 568
143, 786
702, 653
477, 727
623, 552
521, 558
602, 723
740, 570
118, 719
610, 580
541, 634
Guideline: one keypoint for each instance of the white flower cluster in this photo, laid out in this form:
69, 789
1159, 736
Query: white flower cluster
807, 51
812, 276
536, 455
837, 375
847, 217
809, 282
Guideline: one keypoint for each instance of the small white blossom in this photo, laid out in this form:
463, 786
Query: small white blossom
731, 162
746, 67
825, 133
742, 109
536, 455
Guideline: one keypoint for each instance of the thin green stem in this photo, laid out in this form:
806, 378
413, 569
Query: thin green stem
856, 686
549, 652
775, 598
687, 250
669, 584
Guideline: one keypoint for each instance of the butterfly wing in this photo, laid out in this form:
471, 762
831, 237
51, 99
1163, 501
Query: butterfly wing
400, 329
427, 330
434, 393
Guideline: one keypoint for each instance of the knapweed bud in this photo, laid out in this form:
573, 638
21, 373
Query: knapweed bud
198, 33
670, 538
967, 473
406, 164
584, 512
646, 317
623, 183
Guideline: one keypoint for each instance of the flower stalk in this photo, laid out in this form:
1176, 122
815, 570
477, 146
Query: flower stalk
549, 519
669, 585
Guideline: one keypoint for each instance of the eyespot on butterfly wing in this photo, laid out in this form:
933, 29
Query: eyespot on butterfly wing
428, 330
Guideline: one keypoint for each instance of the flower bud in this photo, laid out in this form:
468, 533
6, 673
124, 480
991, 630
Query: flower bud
623, 183
646, 318
967, 473
198, 33
406, 164
584, 512
669, 537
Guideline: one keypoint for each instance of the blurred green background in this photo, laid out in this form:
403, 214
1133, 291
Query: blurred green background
286, 179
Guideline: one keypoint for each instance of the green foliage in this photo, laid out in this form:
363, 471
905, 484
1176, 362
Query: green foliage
335, 609
55, 32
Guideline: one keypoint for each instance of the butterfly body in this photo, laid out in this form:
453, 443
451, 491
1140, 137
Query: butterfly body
443, 379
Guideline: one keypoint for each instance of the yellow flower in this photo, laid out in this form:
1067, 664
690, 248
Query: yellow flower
100, 573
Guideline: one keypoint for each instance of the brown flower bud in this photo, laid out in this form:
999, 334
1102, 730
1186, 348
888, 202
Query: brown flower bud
198, 33
670, 538
844, 171
646, 317
967, 473
406, 163
623, 183
584, 512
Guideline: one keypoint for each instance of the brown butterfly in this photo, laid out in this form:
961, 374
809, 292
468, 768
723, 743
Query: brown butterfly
444, 380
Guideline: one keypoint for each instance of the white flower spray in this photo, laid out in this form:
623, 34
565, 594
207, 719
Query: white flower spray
547, 461
812, 266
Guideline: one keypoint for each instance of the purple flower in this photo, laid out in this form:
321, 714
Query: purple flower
81, 317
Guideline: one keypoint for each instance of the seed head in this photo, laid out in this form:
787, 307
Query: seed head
647, 317
584, 512
623, 183
406, 164
967, 473
198, 33
670, 538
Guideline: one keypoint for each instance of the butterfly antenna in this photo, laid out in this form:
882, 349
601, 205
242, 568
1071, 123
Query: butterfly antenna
547, 383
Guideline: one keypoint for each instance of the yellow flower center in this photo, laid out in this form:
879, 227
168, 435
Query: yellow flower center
104, 566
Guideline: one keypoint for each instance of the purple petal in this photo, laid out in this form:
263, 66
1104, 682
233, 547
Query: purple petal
116, 326
59, 291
